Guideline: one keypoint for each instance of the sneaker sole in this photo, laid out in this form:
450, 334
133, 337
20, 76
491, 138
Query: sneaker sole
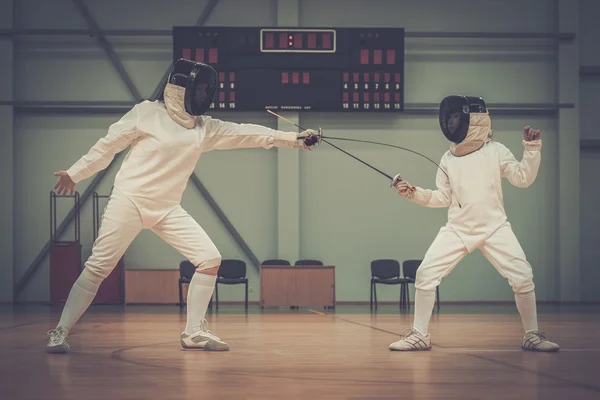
413, 349
201, 349
57, 350
541, 350
207, 347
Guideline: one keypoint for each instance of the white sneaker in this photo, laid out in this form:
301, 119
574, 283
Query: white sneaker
203, 340
58, 341
412, 340
537, 341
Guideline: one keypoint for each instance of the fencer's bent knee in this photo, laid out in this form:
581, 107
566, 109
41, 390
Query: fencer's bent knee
524, 285
522, 280
425, 280
207, 264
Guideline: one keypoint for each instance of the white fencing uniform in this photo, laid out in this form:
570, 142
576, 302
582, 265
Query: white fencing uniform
469, 183
476, 215
166, 141
148, 187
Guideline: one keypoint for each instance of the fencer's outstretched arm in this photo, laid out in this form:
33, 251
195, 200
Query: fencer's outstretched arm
120, 135
224, 135
522, 174
442, 197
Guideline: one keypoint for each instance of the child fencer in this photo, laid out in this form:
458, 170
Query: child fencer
167, 137
472, 190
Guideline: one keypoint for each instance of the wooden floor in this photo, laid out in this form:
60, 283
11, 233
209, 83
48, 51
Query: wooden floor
134, 353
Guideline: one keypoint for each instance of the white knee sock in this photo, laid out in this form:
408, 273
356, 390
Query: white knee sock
528, 310
199, 293
80, 297
424, 301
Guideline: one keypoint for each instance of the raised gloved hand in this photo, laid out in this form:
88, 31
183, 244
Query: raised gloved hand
531, 134
310, 138
403, 188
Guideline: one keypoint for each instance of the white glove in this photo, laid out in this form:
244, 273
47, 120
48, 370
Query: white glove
403, 188
309, 138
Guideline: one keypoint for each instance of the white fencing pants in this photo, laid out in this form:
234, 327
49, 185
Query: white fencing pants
122, 222
502, 249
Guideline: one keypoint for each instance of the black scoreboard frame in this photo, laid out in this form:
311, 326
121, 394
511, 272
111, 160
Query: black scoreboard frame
300, 69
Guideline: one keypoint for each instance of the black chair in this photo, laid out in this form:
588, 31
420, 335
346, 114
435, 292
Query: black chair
409, 271
386, 272
231, 272
186, 273
275, 262
308, 262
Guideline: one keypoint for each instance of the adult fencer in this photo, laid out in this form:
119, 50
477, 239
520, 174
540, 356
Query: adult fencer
166, 138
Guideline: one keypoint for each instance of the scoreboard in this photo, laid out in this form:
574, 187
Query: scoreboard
296, 69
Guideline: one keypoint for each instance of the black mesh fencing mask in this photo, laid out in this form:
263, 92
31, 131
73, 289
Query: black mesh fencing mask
199, 81
455, 114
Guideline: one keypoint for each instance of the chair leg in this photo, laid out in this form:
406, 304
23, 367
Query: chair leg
371, 296
180, 295
408, 296
375, 294
437, 292
246, 303
401, 294
217, 296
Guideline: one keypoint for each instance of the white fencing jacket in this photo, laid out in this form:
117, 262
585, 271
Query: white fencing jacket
164, 154
475, 182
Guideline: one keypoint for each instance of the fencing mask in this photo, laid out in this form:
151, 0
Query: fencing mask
465, 122
189, 91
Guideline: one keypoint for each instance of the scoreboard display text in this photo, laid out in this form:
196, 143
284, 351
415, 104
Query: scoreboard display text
329, 69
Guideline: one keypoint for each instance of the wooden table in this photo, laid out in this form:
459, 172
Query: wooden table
152, 286
297, 285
